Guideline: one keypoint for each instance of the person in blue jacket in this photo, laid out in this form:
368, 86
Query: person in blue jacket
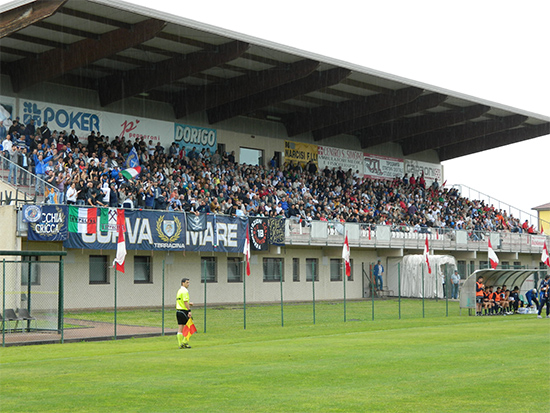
40, 164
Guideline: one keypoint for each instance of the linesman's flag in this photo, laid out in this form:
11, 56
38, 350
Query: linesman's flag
189, 329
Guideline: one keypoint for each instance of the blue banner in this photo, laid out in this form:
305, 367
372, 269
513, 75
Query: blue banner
46, 223
166, 231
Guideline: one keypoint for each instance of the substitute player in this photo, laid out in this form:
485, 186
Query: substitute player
183, 311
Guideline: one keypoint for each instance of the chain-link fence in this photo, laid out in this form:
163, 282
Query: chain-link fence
31, 300
50, 294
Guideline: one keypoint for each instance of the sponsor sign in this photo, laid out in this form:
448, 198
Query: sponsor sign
300, 152
202, 138
345, 158
382, 167
84, 121
431, 170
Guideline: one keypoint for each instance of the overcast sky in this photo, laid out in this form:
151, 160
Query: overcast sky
494, 50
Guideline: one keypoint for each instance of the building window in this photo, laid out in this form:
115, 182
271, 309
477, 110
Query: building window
461, 267
350, 278
33, 268
209, 270
505, 265
483, 265
335, 269
296, 269
312, 269
98, 269
517, 265
142, 270
273, 270
234, 270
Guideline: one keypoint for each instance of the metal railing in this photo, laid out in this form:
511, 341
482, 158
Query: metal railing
25, 182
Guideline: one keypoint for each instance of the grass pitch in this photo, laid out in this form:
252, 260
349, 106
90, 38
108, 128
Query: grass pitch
414, 364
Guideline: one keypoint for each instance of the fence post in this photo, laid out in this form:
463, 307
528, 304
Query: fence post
281, 279
116, 282
3, 301
61, 302
244, 293
204, 272
423, 312
313, 286
399, 286
344, 276
163, 261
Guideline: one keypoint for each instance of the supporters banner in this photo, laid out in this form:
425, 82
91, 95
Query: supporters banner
431, 170
196, 222
300, 152
259, 234
7, 111
46, 223
277, 231
382, 167
166, 231
345, 158
84, 121
145, 230
193, 136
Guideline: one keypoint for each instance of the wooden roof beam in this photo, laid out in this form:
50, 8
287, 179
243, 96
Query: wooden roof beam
492, 141
308, 84
17, 19
54, 63
130, 83
239, 87
407, 128
459, 133
299, 123
359, 123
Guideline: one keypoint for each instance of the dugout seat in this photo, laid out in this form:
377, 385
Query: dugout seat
24, 314
10, 316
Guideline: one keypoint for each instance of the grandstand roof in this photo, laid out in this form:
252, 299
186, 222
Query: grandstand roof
123, 51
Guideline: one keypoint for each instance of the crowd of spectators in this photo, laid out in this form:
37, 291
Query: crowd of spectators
198, 181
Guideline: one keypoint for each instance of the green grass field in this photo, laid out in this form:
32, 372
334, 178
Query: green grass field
434, 364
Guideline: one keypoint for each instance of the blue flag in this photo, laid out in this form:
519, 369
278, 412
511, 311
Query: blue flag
133, 160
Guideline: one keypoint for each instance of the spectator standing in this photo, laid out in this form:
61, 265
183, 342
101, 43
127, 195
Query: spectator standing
455, 283
378, 271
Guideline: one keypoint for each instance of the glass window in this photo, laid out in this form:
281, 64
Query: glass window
142, 270
312, 269
483, 265
335, 269
273, 269
296, 269
234, 270
209, 270
34, 268
98, 269
350, 278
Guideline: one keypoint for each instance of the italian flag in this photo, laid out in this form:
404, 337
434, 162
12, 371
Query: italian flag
493, 259
83, 220
131, 173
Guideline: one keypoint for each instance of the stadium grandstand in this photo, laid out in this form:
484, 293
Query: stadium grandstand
202, 136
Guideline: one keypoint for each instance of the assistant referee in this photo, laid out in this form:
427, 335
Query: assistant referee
183, 311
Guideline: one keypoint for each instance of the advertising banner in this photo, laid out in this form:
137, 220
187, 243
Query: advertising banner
382, 167
431, 170
345, 158
7, 111
46, 223
193, 136
300, 152
84, 121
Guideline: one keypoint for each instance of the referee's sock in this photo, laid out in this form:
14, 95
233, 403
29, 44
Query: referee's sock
180, 339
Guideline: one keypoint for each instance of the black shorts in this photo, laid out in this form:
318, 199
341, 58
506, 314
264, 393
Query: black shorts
479, 299
182, 316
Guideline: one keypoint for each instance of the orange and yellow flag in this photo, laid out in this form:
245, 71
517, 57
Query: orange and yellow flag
189, 329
